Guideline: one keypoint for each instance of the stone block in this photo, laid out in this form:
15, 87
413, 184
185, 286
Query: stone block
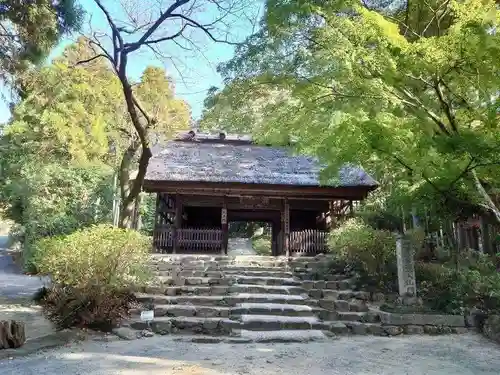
371, 317
365, 296
339, 328
332, 285
308, 285
220, 290
358, 328
320, 284
413, 330
210, 326
328, 304
445, 330
358, 306
375, 329
343, 285
327, 315
341, 305
316, 293
194, 281
393, 330
125, 333
161, 327
431, 330
422, 319
228, 325
330, 294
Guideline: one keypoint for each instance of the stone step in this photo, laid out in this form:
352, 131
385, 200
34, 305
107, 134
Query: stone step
272, 309
351, 316
259, 273
362, 328
213, 290
346, 295
355, 305
260, 280
192, 310
190, 324
228, 300
271, 289
283, 336
277, 322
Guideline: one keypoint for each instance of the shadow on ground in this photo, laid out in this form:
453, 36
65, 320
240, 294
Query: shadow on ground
416, 355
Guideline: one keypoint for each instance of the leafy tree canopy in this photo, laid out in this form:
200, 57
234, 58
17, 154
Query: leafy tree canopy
409, 90
29, 29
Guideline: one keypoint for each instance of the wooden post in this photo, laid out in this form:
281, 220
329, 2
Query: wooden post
156, 245
225, 232
485, 235
286, 227
177, 222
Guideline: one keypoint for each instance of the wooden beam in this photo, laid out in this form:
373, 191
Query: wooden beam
235, 189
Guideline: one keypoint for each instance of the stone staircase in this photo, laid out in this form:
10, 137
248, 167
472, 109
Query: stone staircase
251, 298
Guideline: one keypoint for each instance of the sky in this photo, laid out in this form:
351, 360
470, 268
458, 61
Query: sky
193, 71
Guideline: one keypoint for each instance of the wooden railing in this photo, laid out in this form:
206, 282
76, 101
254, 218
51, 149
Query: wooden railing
193, 239
163, 238
308, 242
188, 239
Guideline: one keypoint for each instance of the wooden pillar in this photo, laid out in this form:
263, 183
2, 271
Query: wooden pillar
177, 222
224, 224
286, 227
156, 245
485, 235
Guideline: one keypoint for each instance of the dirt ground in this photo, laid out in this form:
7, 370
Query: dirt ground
361, 355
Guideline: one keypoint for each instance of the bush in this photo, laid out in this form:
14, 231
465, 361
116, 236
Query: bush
447, 290
262, 245
93, 271
370, 251
97, 256
94, 308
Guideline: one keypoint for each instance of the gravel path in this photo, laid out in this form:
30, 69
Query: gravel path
240, 246
361, 355
13, 284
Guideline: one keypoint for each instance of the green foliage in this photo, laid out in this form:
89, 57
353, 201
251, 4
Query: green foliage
93, 271
262, 245
410, 95
147, 210
370, 251
52, 199
30, 29
96, 257
447, 290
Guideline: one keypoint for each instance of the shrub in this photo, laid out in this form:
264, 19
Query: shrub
370, 251
447, 290
94, 308
93, 271
97, 256
262, 245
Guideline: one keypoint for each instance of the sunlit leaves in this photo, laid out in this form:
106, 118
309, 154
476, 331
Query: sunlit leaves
411, 94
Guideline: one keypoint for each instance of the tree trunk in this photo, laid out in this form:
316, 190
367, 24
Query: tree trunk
12, 334
487, 199
129, 189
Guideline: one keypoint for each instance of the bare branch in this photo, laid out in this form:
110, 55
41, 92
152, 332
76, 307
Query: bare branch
92, 59
205, 29
157, 24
